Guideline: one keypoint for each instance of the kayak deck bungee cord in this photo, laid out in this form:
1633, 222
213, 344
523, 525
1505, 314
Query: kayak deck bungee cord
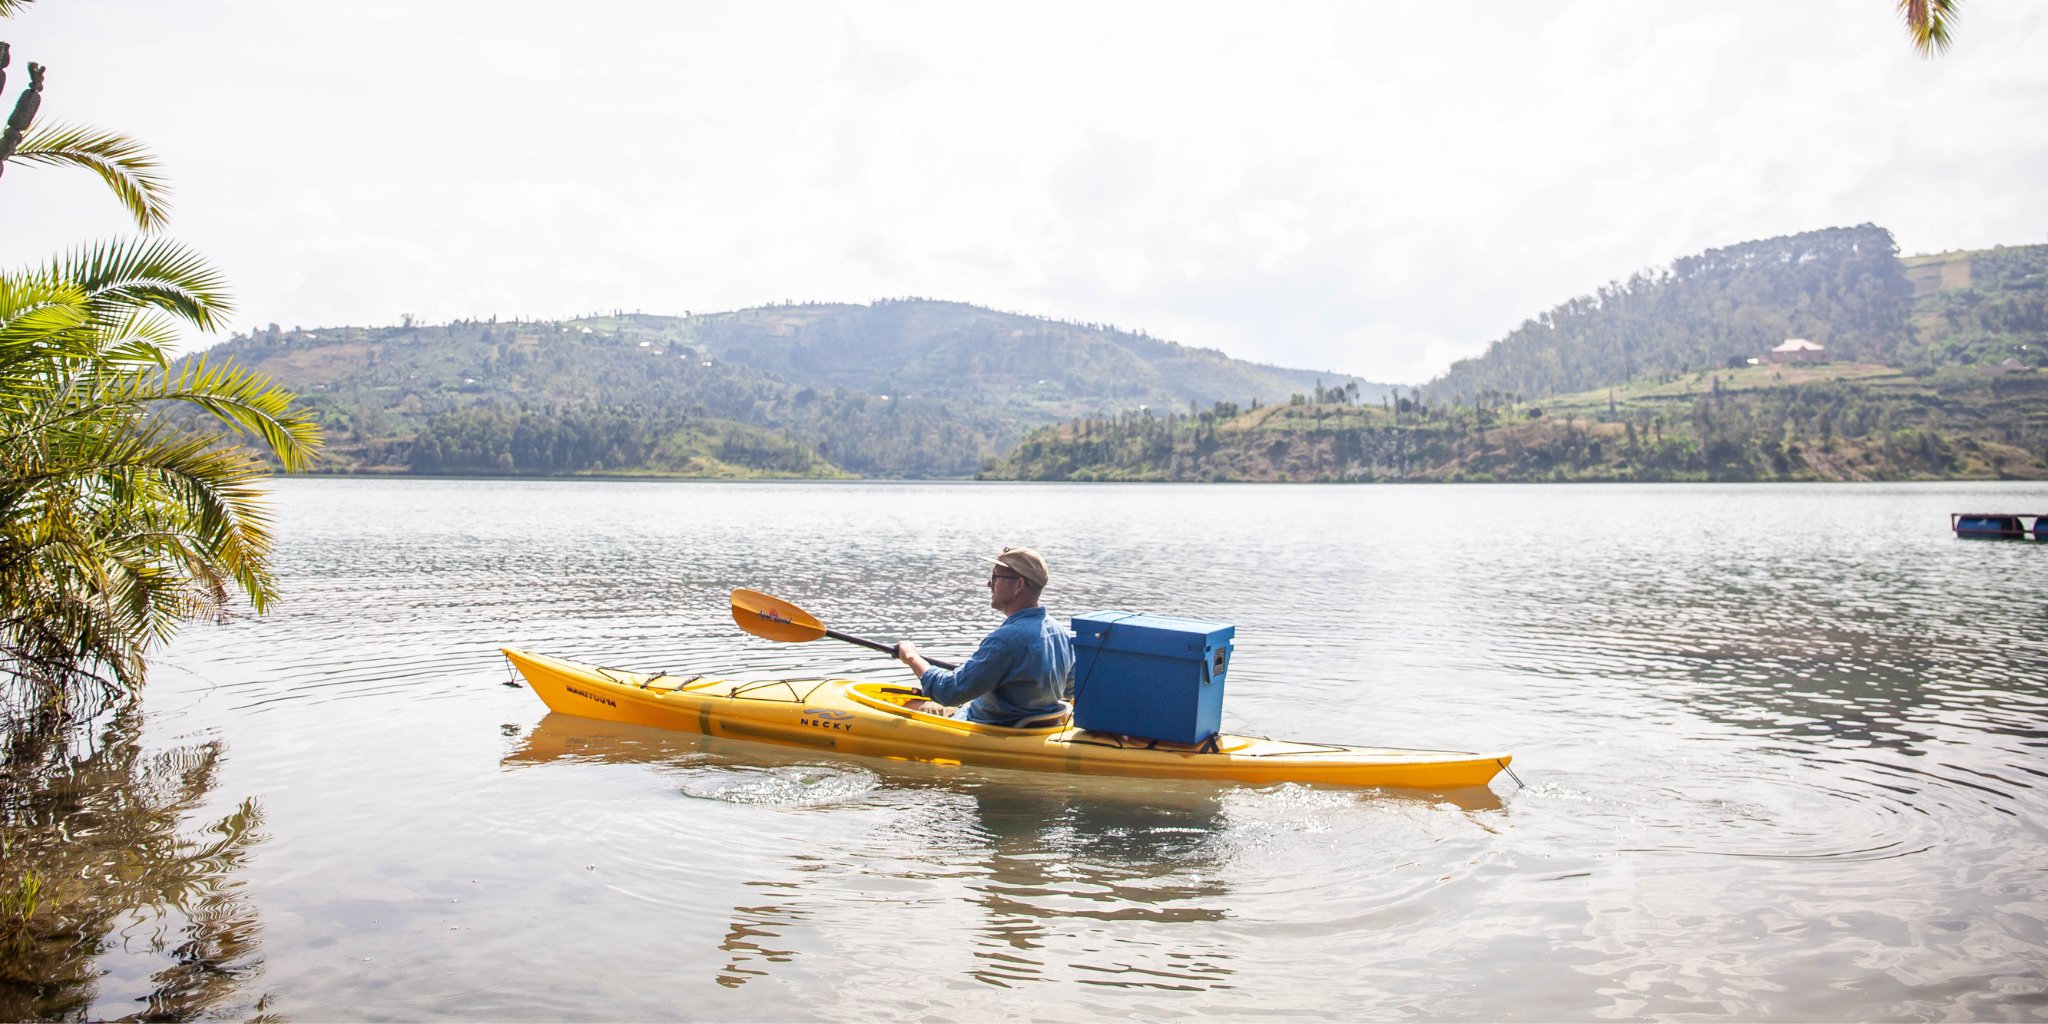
842, 716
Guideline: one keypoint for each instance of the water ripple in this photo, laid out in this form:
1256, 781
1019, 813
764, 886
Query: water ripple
777, 785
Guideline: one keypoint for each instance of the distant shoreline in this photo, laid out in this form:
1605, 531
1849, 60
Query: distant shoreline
980, 481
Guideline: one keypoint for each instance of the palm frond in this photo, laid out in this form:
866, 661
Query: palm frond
1927, 22
38, 317
151, 526
160, 496
22, 291
243, 401
157, 273
63, 334
139, 338
247, 401
123, 162
10, 8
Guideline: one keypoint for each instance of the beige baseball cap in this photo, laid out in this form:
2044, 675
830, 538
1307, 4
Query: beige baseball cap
1022, 561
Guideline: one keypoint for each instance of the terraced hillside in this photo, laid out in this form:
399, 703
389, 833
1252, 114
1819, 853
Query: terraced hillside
1814, 422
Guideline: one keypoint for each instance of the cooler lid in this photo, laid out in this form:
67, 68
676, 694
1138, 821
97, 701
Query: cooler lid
1140, 633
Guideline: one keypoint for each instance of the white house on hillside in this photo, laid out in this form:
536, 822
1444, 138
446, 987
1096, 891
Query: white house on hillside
1799, 350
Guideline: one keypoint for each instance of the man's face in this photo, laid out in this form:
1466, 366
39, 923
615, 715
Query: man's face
1003, 588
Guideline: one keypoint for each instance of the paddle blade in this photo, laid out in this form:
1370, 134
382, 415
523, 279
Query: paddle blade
772, 618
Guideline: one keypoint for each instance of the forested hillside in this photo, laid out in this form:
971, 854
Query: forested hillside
1816, 422
1940, 370
1977, 308
490, 439
1845, 288
952, 350
897, 388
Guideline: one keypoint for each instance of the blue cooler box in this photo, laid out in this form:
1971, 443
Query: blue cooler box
1149, 675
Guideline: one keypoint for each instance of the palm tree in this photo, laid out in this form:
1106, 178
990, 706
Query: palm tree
1927, 21
118, 519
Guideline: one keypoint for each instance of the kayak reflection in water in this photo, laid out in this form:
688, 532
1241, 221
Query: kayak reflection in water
1022, 672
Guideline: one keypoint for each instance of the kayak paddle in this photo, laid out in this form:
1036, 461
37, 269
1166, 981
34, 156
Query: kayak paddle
772, 618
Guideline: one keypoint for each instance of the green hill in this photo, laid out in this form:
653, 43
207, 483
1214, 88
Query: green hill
1976, 308
1036, 368
1845, 288
897, 388
1942, 373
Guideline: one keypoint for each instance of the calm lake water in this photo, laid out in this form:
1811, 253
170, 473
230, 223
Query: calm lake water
1782, 747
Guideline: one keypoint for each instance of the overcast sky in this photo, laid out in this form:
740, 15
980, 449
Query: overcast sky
1372, 188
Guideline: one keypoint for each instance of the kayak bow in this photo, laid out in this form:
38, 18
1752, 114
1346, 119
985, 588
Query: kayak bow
869, 719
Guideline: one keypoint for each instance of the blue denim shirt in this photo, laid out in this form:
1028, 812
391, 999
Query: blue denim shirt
1022, 669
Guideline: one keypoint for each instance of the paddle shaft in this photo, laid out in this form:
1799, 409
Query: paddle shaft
877, 645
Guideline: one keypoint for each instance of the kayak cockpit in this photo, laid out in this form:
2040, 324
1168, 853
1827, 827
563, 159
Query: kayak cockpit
891, 699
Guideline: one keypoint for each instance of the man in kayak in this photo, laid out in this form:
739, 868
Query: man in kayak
1021, 671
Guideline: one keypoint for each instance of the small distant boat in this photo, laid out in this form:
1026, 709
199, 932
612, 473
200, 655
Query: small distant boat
1998, 526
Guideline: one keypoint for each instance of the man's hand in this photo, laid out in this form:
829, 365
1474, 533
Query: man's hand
906, 652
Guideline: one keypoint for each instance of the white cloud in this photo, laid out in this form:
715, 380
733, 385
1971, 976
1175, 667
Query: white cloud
1375, 189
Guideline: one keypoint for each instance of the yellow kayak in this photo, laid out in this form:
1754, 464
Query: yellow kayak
869, 719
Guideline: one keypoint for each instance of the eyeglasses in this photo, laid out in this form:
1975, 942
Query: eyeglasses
994, 576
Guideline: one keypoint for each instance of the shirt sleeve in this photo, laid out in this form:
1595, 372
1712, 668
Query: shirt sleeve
993, 662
